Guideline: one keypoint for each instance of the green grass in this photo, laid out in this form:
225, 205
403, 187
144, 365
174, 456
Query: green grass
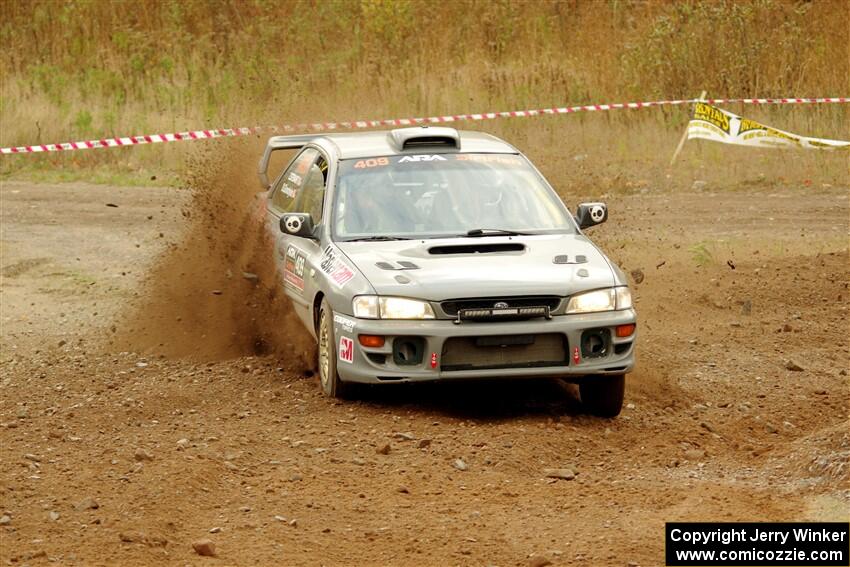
702, 254
103, 174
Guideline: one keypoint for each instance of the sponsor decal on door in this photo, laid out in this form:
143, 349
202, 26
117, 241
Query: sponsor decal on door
293, 268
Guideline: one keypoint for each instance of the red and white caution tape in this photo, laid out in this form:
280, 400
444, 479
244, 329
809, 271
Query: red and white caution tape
358, 124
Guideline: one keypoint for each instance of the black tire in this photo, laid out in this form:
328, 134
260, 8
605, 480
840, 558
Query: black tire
603, 395
329, 380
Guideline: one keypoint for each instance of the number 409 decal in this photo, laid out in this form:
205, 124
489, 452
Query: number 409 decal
372, 162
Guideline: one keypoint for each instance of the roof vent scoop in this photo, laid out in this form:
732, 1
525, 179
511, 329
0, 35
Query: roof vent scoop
425, 138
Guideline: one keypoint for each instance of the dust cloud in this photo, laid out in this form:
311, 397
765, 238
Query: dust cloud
216, 294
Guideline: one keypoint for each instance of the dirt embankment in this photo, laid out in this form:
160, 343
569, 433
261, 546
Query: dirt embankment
194, 418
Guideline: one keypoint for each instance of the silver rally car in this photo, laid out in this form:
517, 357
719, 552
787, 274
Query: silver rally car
432, 254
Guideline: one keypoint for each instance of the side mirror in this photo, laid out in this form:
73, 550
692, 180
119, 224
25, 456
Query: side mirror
591, 214
297, 224
263, 175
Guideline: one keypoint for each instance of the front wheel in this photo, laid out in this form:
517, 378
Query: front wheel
332, 386
603, 395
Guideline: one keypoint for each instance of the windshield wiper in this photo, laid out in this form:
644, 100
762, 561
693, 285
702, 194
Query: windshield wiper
475, 232
377, 238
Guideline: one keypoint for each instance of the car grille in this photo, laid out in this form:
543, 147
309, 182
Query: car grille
451, 307
503, 314
509, 351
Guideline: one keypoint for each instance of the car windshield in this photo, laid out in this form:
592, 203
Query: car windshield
443, 195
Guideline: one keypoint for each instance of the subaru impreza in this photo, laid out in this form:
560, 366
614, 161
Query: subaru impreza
429, 253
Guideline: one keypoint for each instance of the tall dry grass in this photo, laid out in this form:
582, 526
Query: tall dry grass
75, 69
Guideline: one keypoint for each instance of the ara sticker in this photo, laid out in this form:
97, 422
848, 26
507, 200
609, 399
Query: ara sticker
345, 323
293, 268
422, 157
339, 272
346, 350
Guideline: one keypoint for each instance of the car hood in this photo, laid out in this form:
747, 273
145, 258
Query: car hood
441, 269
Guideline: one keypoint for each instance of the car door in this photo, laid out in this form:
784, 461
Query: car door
300, 189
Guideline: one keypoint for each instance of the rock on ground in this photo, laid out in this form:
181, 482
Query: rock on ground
204, 547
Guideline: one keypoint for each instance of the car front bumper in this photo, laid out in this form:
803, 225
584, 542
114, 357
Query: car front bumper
442, 350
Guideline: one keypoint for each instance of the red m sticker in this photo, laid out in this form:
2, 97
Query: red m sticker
346, 349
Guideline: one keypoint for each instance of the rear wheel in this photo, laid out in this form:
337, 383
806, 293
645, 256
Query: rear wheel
603, 395
332, 386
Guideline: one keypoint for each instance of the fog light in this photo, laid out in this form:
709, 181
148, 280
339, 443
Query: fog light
626, 330
595, 343
408, 351
374, 341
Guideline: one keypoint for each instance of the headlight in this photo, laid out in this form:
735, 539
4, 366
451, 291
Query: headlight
401, 308
601, 300
624, 298
365, 306
376, 307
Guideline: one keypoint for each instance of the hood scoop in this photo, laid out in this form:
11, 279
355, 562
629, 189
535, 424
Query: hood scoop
400, 265
477, 248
